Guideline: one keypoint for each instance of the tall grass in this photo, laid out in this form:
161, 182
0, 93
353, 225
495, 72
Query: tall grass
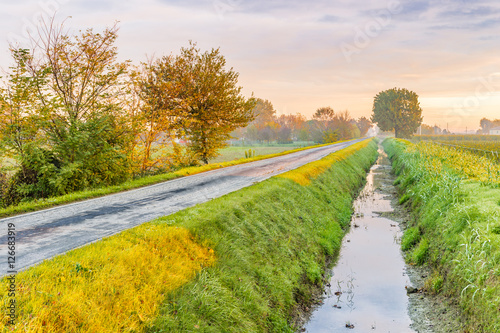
456, 213
306, 173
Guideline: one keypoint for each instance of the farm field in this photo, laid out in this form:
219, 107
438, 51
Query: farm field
454, 196
237, 152
482, 145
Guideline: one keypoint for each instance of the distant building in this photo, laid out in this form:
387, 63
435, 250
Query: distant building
495, 130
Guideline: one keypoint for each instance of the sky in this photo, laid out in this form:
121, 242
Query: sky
303, 55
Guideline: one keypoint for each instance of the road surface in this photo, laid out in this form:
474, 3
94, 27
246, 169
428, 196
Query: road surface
44, 234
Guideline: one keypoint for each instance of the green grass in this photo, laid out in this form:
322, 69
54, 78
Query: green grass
40, 204
458, 219
434, 283
410, 238
233, 153
272, 240
420, 252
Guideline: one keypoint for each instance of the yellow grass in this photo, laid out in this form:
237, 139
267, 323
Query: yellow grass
310, 171
470, 165
114, 285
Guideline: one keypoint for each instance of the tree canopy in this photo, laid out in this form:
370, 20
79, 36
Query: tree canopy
397, 109
199, 96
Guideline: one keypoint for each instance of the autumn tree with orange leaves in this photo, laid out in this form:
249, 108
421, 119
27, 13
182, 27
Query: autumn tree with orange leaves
199, 98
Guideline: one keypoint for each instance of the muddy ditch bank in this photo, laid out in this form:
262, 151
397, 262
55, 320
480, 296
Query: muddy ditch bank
371, 288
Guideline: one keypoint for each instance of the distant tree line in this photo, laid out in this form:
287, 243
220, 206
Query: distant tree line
325, 126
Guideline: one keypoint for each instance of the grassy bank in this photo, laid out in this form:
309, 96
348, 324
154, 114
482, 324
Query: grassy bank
261, 249
455, 200
40, 204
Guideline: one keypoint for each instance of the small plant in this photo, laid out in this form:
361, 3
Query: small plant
80, 269
404, 198
420, 253
410, 238
434, 283
496, 229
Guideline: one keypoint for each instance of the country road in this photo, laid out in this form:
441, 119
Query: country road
47, 233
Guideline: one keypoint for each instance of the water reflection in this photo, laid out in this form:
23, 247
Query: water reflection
367, 286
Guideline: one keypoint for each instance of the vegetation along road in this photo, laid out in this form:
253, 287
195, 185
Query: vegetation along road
44, 234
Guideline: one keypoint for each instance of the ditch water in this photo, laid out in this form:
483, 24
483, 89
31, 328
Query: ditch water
367, 291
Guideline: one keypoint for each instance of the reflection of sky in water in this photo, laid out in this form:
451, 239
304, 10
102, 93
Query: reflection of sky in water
367, 287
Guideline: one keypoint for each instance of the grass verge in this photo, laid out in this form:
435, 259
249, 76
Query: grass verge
109, 286
40, 204
271, 240
453, 230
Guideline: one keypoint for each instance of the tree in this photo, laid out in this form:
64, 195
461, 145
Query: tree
289, 125
17, 119
487, 124
201, 96
263, 112
364, 125
345, 126
397, 109
426, 129
324, 115
79, 133
323, 131
159, 115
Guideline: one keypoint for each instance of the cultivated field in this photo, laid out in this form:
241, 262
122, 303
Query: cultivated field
482, 145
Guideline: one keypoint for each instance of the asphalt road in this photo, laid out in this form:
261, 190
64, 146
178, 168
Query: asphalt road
44, 234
